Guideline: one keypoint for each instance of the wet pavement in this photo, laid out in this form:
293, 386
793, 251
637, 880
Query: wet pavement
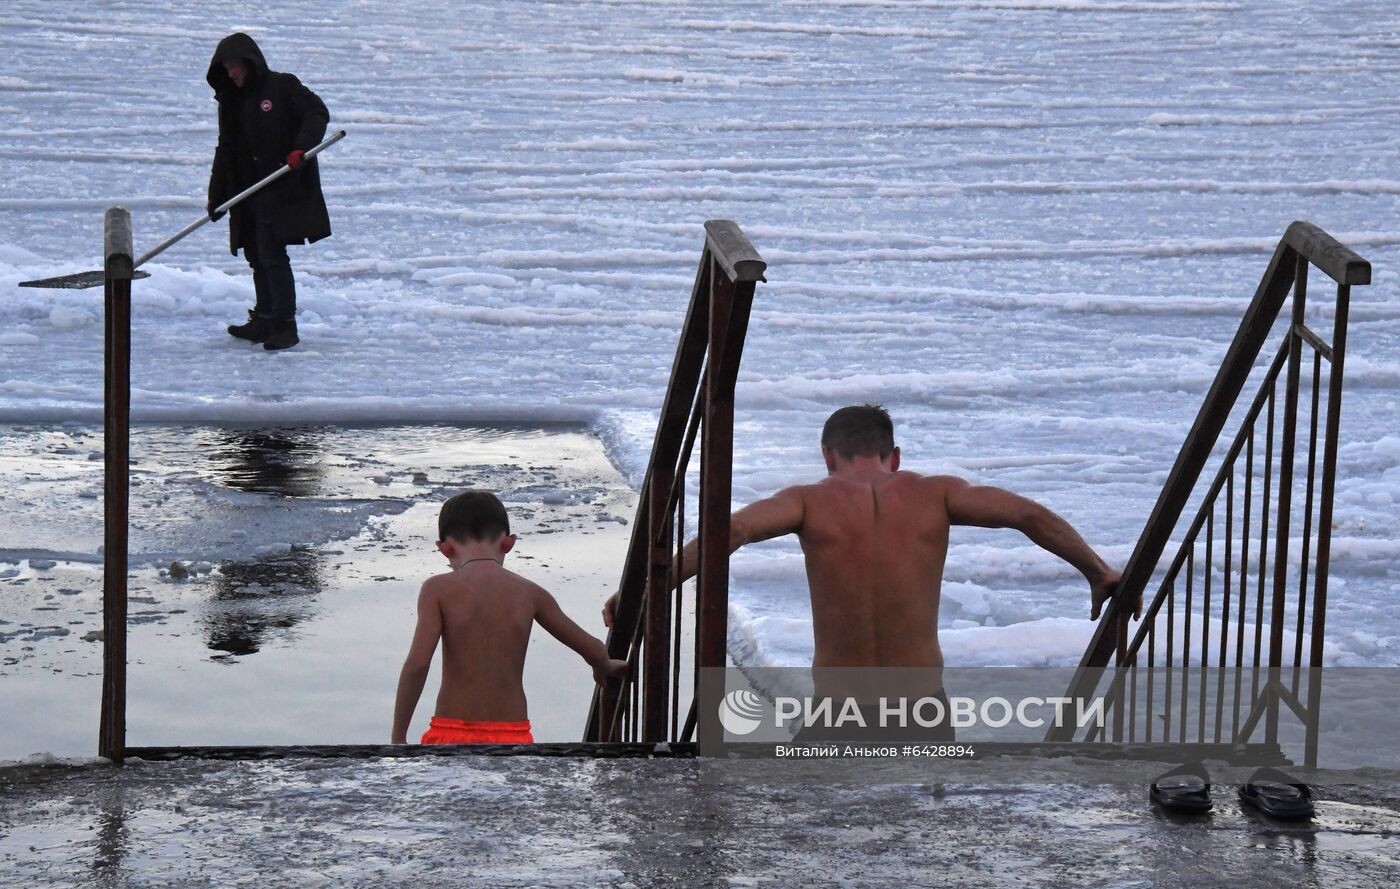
479, 821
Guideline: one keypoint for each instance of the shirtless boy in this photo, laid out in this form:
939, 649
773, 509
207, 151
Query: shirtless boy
875, 538
483, 614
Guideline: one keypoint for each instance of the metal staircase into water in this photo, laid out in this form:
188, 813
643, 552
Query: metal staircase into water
1231, 638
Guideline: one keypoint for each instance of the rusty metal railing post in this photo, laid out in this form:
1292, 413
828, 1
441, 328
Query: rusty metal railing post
716, 471
731, 299
656, 647
118, 268
647, 621
1285, 496
736, 268
1324, 518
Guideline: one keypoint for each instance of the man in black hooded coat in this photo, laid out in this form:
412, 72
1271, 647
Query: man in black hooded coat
266, 119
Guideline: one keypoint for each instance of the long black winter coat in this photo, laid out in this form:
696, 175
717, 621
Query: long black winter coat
259, 125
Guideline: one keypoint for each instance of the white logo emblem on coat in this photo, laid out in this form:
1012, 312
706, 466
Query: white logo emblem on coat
266, 105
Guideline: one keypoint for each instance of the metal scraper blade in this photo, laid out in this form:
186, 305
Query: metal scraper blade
79, 281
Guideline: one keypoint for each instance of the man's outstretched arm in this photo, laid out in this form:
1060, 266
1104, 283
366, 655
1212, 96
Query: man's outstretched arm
761, 520
989, 507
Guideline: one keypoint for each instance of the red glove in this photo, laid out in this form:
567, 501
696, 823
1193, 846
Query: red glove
294, 159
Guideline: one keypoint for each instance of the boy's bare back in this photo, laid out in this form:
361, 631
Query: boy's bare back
482, 614
487, 612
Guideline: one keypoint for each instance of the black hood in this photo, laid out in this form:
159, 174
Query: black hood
235, 46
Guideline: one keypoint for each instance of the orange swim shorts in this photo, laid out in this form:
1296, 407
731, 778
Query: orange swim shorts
456, 731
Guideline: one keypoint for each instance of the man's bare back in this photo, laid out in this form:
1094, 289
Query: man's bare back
875, 539
875, 543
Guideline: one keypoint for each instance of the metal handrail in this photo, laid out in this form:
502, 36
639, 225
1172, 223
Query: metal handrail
1302, 244
698, 403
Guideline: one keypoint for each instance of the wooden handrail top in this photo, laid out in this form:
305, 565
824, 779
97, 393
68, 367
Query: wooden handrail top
116, 243
1340, 262
733, 251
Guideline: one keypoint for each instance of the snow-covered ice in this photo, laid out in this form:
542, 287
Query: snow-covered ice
1029, 227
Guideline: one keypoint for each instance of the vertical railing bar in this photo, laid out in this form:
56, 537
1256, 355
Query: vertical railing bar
1119, 658
1116, 693
1244, 579
676, 584
1132, 701
697, 412
617, 724
688, 730
1225, 603
1307, 522
1205, 621
655, 615
635, 709
1324, 522
1287, 459
1261, 570
1186, 640
700, 546
1151, 674
638, 676
621, 713
1171, 660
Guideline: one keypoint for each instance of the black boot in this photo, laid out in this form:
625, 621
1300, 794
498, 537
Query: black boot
256, 330
282, 336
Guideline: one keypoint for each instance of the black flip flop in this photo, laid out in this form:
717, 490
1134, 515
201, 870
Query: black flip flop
1185, 789
1277, 794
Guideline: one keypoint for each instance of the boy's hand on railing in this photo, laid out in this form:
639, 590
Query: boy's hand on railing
610, 610
609, 669
1105, 588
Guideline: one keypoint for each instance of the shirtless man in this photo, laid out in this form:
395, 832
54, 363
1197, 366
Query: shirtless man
875, 538
483, 614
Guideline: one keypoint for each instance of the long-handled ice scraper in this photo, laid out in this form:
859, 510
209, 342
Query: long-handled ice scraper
83, 280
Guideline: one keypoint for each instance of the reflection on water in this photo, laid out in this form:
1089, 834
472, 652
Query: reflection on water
301, 546
285, 462
253, 600
109, 851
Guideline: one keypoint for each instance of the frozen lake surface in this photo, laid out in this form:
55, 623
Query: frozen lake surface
303, 549
1029, 227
